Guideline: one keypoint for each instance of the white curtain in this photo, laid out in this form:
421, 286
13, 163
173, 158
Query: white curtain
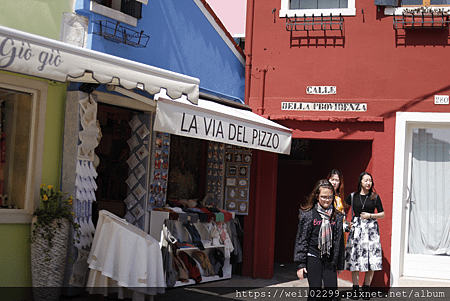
429, 224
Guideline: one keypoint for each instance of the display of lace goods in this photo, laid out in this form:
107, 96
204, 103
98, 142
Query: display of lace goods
85, 187
138, 164
237, 179
82, 206
90, 133
124, 259
225, 238
215, 175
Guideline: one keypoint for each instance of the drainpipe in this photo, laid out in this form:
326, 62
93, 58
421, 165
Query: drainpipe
248, 48
260, 109
248, 71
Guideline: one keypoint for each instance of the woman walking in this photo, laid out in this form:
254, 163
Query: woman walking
363, 250
337, 180
319, 247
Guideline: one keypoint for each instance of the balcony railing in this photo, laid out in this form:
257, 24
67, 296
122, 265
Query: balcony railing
421, 20
314, 23
120, 34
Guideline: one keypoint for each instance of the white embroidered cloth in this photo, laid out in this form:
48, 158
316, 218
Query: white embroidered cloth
124, 256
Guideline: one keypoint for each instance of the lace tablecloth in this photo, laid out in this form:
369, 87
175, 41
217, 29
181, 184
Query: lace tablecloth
124, 259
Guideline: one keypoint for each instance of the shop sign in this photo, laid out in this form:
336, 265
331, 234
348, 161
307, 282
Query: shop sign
321, 90
222, 124
324, 106
37, 56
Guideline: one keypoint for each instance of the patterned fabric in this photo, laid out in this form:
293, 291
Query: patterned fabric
363, 251
325, 233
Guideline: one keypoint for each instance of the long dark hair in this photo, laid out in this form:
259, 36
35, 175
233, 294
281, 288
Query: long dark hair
340, 190
312, 198
372, 193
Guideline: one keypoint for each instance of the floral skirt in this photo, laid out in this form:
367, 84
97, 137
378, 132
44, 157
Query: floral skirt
363, 250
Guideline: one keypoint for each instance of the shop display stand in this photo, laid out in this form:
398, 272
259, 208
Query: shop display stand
156, 225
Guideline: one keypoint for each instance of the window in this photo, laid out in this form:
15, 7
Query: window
299, 8
21, 146
397, 7
15, 125
318, 4
129, 7
424, 2
125, 11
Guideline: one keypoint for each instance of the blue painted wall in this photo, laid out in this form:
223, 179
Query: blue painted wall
181, 40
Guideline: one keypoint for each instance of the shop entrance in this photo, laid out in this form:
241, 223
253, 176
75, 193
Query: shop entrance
112, 153
310, 161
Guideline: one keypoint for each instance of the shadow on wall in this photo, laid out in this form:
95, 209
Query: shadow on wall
408, 105
381, 278
317, 39
422, 37
298, 175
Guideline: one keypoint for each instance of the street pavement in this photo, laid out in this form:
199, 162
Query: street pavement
283, 286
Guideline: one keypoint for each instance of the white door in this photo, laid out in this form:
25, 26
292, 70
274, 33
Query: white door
427, 207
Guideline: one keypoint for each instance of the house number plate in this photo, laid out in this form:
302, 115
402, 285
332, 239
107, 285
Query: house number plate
441, 99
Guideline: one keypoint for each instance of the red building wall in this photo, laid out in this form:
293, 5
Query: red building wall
368, 62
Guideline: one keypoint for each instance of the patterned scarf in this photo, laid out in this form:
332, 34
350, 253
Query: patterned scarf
325, 233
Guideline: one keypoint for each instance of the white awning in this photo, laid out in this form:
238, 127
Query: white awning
212, 121
143, 1
34, 55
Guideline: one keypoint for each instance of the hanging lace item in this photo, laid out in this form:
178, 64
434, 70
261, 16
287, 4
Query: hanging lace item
91, 132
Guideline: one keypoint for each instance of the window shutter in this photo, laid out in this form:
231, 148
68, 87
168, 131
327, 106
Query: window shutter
132, 8
386, 2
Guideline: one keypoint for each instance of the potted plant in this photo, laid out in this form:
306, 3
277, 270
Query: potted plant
426, 17
49, 239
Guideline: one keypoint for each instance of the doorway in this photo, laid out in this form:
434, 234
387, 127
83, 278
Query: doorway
112, 153
310, 161
427, 222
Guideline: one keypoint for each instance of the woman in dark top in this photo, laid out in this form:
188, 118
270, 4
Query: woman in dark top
319, 247
363, 251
